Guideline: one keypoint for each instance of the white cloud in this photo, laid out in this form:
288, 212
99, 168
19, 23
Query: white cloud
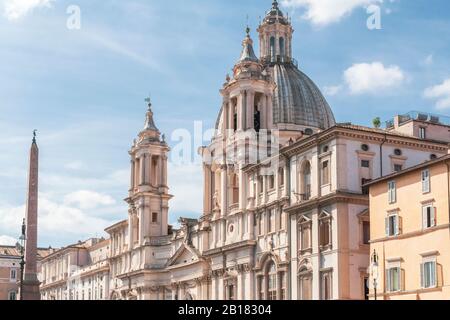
7, 241
323, 12
16, 9
186, 197
372, 77
84, 199
332, 90
441, 93
58, 220
75, 165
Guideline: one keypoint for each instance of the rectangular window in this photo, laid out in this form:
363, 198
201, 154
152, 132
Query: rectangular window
326, 293
428, 273
281, 176
426, 181
393, 277
428, 217
261, 184
398, 167
305, 237
365, 163
366, 232
325, 173
154, 217
13, 274
283, 220
422, 133
365, 189
306, 287
392, 192
272, 216
261, 288
324, 233
283, 285
231, 293
261, 224
392, 225
12, 295
271, 180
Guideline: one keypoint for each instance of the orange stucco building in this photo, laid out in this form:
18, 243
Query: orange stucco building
410, 233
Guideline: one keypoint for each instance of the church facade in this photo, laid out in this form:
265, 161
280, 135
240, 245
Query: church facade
285, 210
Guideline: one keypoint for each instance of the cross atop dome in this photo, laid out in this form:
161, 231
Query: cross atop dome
149, 122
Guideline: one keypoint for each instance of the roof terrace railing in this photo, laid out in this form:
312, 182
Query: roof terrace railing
279, 59
420, 116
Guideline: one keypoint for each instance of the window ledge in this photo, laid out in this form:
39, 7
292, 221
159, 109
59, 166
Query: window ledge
305, 251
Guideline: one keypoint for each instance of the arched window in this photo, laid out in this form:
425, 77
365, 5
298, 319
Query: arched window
272, 281
257, 119
235, 119
272, 47
154, 172
282, 47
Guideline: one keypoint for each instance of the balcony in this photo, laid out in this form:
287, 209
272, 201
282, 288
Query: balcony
234, 207
302, 197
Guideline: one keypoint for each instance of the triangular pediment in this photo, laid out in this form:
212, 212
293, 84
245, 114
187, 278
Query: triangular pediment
185, 254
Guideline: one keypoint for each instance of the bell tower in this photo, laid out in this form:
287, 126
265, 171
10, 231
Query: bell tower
275, 36
149, 194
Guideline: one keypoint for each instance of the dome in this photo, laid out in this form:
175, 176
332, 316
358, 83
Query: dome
297, 100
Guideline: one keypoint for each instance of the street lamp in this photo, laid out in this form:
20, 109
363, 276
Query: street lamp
374, 260
21, 248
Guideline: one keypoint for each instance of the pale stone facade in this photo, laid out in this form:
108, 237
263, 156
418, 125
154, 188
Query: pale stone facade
285, 212
77, 272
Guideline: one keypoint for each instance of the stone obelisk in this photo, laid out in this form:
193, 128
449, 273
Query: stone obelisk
31, 282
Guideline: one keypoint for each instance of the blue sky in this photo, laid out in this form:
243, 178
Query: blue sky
84, 89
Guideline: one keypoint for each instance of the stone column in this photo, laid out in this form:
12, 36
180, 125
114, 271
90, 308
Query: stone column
142, 169
207, 196
160, 172
269, 118
224, 191
31, 282
231, 109
226, 114
142, 222
130, 230
250, 109
242, 191
132, 176
164, 171
251, 224
286, 178
263, 112
241, 110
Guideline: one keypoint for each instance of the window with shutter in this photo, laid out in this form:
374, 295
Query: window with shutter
428, 217
429, 274
392, 192
393, 279
393, 225
426, 181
